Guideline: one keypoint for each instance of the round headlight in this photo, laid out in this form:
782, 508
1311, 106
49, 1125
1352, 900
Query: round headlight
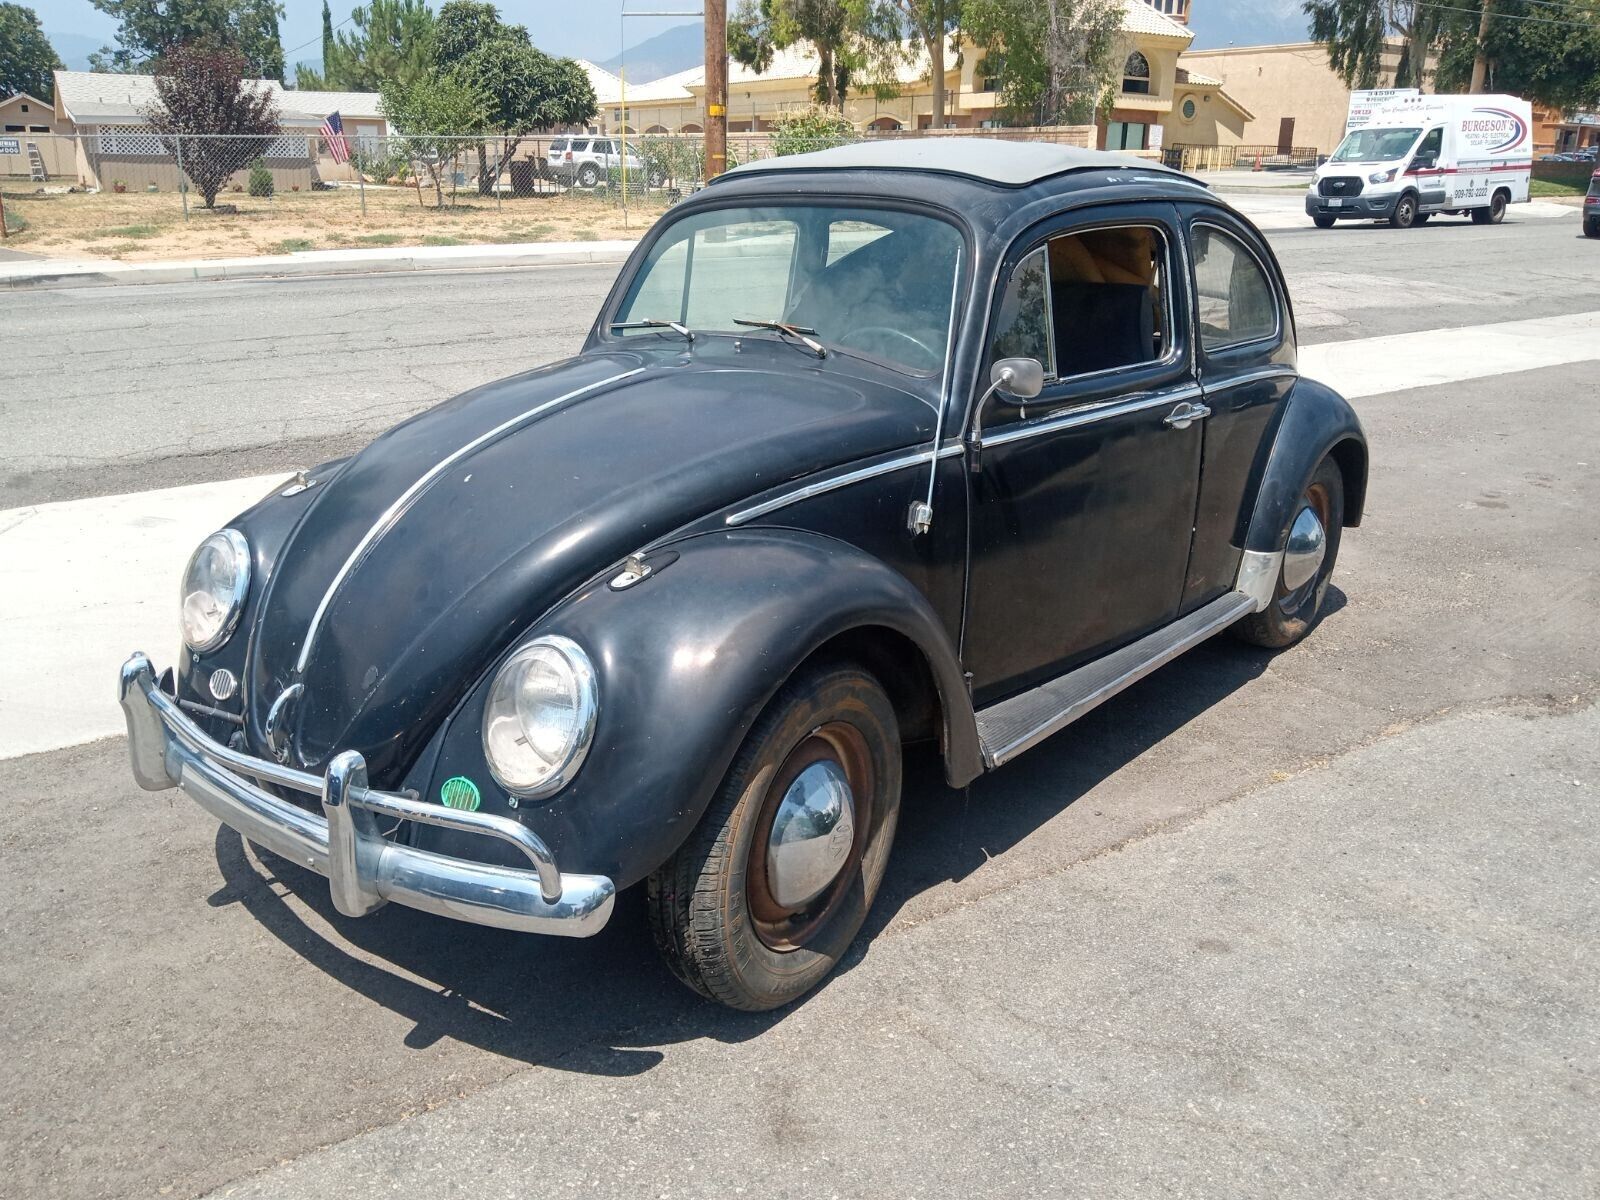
540, 716
214, 587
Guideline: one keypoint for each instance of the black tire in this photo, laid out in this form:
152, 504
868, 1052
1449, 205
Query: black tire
1492, 215
1405, 211
1591, 227
657, 177
712, 910
1292, 614
588, 175
1324, 222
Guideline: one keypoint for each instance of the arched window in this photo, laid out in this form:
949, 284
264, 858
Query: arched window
1136, 75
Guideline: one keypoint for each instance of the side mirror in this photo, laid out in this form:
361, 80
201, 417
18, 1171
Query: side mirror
1019, 377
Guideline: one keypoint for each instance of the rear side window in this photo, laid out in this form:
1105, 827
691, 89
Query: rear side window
1594, 185
580, 144
559, 144
1236, 303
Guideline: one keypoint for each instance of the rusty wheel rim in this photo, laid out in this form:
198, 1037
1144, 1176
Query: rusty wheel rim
792, 927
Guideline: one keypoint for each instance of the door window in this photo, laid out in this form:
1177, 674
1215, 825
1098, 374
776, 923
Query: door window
1235, 302
1090, 301
1430, 146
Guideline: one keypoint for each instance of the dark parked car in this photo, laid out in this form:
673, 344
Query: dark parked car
939, 440
1591, 207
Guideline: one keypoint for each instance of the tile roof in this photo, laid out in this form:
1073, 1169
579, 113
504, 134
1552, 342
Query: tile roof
1139, 17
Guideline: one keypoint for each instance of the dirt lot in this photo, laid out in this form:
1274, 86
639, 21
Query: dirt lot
145, 226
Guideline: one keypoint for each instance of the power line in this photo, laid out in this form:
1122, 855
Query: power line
1498, 15
317, 39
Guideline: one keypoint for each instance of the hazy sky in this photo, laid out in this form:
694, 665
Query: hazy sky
590, 30
587, 30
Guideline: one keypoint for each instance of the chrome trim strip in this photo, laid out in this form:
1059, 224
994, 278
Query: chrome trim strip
1224, 610
834, 482
1255, 375
1088, 414
398, 509
1258, 576
363, 868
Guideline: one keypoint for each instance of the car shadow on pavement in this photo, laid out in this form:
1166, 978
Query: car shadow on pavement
602, 1005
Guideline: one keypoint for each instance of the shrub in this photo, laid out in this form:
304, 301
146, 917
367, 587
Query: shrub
260, 180
813, 129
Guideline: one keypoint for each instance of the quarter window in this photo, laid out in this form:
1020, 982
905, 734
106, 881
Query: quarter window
1089, 301
1235, 301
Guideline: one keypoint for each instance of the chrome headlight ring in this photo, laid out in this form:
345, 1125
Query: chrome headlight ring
215, 584
540, 717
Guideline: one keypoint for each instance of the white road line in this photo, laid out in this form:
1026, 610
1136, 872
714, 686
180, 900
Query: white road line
1398, 361
86, 582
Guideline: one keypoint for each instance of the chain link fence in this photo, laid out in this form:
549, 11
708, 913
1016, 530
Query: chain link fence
128, 191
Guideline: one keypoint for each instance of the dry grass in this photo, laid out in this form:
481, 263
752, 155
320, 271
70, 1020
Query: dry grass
144, 227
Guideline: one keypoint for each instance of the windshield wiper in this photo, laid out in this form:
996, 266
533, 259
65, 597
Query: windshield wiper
799, 332
652, 323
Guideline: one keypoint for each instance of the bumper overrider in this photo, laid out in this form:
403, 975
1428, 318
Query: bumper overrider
364, 869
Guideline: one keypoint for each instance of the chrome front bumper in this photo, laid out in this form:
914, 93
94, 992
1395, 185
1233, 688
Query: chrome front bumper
364, 869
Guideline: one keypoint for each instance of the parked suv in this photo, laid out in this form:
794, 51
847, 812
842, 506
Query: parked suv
585, 161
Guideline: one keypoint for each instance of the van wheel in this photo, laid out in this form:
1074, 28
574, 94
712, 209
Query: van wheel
1405, 212
767, 893
1323, 222
1492, 215
1311, 546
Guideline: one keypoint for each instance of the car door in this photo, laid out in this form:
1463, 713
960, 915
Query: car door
1083, 497
1244, 343
1427, 170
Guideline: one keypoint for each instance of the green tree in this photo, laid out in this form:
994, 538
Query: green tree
200, 89
1546, 55
431, 113
1357, 31
524, 89
1062, 57
855, 41
935, 24
388, 39
26, 56
150, 29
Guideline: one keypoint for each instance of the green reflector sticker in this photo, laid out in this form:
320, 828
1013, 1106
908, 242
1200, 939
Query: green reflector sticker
460, 792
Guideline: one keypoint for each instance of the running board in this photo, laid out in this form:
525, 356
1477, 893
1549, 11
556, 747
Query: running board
1008, 728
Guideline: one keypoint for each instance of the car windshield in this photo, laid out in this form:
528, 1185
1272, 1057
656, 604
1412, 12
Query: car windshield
1375, 145
875, 283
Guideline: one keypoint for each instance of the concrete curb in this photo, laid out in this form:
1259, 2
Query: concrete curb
58, 273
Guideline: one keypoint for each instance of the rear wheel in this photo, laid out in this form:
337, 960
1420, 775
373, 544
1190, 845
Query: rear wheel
1311, 544
1323, 222
588, 175
1492, 215
1405, 212
1591, 227
768, 892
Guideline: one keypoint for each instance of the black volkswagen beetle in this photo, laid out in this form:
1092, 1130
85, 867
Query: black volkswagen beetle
934, 440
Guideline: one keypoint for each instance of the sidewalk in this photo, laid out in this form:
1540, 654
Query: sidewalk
62, 273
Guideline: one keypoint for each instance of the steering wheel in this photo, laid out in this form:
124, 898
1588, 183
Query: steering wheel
865, 333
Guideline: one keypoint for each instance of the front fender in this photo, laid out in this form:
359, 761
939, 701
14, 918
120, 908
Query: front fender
686, 661
1317, 422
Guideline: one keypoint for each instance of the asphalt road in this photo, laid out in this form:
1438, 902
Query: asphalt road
1322, 923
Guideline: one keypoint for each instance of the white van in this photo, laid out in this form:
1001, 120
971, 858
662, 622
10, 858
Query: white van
1421, 155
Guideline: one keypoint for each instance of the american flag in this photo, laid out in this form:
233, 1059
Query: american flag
333, 134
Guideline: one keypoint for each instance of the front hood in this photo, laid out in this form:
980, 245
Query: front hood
416, 564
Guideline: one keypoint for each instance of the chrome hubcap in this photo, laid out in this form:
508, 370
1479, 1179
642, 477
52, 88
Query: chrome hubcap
1302, 557
811, 835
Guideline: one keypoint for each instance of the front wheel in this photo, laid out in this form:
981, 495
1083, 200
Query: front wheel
1405, 212
1323, 222
1492, 215
765, 896
1310, 546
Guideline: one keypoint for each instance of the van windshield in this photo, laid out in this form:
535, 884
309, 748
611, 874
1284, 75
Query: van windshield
1375, 145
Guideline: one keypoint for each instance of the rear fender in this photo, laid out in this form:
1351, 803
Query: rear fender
686, 660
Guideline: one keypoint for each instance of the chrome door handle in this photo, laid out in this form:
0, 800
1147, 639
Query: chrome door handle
1186, 414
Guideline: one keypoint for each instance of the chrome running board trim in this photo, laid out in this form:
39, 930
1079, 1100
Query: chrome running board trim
1008, 728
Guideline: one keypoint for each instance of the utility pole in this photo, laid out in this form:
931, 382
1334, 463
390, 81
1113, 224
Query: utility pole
716, 88
1480, 60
